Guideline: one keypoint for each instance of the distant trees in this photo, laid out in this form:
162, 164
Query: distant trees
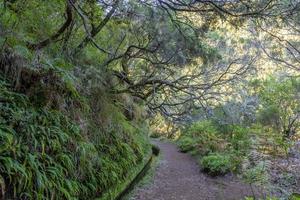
280, 106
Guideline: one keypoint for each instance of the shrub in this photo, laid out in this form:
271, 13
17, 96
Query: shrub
203, 127
295, 196
201, 137
222, 151
256, 175
186, 144
239, 139
155, 135
216, 164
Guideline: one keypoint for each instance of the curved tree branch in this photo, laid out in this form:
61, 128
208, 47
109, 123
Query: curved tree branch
62, 29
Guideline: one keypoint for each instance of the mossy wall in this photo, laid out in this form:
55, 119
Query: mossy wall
62, 137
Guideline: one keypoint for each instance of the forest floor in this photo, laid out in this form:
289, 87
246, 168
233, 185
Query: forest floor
178, 177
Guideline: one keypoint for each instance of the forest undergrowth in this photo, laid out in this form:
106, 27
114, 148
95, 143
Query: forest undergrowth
57, 142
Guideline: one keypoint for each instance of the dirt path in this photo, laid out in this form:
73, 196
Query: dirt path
178, 178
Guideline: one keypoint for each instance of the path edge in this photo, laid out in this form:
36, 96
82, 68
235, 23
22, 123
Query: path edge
155, 152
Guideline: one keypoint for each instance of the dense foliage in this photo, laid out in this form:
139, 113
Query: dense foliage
246, 135
221, 149
46, 155
81, 79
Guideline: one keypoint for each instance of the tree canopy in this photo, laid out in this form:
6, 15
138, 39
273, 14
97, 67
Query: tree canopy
169, 53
